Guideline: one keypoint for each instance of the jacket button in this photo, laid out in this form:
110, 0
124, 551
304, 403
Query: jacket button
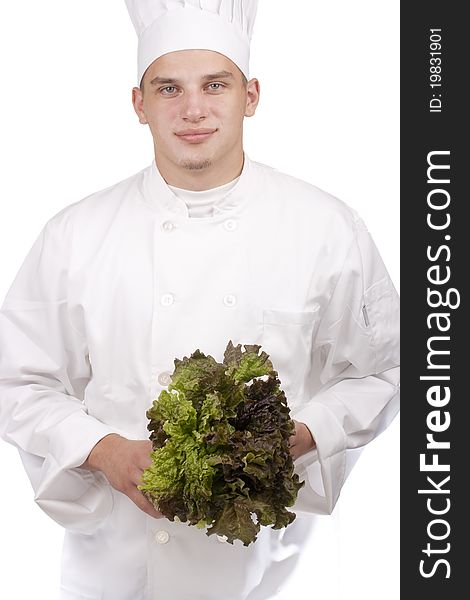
162, 537
168, 226
167, 299
230, 224
230, 300
164, 378
221, 538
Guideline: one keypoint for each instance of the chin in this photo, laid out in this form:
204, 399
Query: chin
195, 163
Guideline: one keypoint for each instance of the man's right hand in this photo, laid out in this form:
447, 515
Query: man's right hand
123, 461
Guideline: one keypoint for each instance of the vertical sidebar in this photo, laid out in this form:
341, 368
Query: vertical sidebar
435, 433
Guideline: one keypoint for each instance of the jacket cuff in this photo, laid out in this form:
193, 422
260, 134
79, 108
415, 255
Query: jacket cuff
75, 437
324, 467
78, 499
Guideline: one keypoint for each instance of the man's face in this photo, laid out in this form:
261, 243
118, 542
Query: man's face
194, 102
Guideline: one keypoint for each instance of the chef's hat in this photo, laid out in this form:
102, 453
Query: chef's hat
164, 26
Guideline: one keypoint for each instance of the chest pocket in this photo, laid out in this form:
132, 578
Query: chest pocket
288, 338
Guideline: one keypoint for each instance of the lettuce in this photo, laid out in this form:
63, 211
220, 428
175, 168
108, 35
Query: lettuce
220, 438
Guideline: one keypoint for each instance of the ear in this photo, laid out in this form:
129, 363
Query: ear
252, 97
138, 103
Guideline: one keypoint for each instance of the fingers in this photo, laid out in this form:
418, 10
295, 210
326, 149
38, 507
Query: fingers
126, 462
301, 441
139, 499
141, 502
131, 491
144, 460
291, 444
294, 452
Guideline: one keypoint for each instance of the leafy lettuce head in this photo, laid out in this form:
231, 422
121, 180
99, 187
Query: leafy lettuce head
220, 438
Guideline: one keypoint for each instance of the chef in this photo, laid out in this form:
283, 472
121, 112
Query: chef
201, 247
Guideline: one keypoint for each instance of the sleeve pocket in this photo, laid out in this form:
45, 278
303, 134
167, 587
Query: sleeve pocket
381, 315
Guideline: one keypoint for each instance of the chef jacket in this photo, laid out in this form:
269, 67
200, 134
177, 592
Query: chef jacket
120, 284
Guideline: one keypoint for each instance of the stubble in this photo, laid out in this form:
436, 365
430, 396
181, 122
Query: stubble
195, 165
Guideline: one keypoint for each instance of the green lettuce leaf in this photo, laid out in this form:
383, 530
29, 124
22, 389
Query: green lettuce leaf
220, 438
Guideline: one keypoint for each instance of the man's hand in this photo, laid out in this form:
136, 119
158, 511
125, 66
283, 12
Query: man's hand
301, 441
123, 462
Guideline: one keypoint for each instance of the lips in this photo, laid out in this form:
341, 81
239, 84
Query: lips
195, 135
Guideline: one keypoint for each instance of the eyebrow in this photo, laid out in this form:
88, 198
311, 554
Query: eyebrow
172, 80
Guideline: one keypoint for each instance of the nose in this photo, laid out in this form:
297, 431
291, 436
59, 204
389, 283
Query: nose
194, 107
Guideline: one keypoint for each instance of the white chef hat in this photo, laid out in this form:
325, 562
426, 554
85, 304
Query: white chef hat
164, 26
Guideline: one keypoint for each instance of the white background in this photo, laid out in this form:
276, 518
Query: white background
328, 114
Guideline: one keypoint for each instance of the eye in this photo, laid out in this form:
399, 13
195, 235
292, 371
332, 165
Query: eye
215, 87
169, 89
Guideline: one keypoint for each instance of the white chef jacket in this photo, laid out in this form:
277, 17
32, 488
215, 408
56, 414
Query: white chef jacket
120, 284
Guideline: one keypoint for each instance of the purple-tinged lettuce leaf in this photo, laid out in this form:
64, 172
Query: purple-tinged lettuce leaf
220, 437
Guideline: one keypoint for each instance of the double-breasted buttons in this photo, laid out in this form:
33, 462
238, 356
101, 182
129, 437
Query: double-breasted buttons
164, 378
167, 299
230, 300
168, 226
230, 224
162, 537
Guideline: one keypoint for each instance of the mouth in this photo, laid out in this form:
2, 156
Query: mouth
195, 136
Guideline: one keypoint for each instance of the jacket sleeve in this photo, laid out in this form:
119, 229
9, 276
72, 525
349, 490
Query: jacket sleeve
356, 364
44, 369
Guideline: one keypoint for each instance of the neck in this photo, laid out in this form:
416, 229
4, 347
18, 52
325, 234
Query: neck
216, 174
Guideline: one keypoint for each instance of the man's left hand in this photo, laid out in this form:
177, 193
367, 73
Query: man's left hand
301, 441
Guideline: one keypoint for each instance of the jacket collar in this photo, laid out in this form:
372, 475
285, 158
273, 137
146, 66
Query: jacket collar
158, 194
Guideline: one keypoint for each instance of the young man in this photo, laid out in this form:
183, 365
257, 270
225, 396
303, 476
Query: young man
201, 247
